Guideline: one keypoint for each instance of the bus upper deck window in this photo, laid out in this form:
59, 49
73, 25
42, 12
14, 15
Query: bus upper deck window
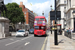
42, 19
37, 19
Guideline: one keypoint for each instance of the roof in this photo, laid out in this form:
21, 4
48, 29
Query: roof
39, 17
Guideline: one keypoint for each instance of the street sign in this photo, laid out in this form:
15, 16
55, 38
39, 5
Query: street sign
52, 15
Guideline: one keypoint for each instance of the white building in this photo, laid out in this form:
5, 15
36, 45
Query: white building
61, 6
70, 8
49, 20
67, 8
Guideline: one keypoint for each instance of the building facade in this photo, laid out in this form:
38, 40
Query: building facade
35, 14
61, 6
29, 15
67, 8
49, 20
70, 14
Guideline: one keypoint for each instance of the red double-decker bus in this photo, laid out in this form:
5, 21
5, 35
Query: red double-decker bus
40, 25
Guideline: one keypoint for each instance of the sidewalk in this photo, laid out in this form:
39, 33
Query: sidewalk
1, 36
12, 34
64, 43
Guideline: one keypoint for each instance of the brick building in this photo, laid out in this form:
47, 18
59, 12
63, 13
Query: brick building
29, 15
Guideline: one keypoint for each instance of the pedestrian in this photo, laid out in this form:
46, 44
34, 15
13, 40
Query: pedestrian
69, 30
17, 29
27, 29
69, 33
60, 32
51, 31
72, 30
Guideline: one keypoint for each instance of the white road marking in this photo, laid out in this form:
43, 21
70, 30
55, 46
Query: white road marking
17, 41
27, 43
12, 42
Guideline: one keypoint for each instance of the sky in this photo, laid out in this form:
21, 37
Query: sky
38, 6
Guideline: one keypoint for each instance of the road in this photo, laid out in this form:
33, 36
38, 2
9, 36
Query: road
23, 43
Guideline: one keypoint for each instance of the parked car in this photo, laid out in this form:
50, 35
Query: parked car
21, 33
31, 31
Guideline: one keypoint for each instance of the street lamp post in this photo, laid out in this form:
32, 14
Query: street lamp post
51, 7
43, 13
74, 19
51, 20
55, 33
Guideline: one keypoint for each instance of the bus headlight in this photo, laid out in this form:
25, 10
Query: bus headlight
43, 22
35, 21
42, 27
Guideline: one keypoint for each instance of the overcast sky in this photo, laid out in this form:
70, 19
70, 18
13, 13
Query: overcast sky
38, 6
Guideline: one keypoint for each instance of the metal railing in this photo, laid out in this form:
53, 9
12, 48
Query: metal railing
69, 34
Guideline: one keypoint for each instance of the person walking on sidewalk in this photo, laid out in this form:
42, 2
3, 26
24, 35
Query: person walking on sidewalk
69, 30
72, 30
51, 30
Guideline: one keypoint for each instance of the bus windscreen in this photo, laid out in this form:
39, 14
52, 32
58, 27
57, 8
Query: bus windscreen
36, 27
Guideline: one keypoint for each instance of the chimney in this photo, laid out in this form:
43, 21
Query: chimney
21, 3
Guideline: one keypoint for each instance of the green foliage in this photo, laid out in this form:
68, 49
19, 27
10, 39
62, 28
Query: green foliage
14, 13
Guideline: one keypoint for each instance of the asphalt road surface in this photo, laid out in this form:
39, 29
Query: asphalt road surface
23, 43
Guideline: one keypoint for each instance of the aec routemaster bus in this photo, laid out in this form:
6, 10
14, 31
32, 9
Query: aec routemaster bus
40, 26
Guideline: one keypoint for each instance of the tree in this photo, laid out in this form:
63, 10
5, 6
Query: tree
14, 13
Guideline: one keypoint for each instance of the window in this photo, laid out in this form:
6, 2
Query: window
64, 8
64, 15
42, 19
25, 12
21, 31
70, 3
64, 1
73, 11
42, 27
25, 16
37, 19
36, 27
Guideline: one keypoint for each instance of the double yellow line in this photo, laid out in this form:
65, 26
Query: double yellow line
44, 44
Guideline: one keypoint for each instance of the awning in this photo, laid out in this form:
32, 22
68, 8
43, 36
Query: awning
58, 24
